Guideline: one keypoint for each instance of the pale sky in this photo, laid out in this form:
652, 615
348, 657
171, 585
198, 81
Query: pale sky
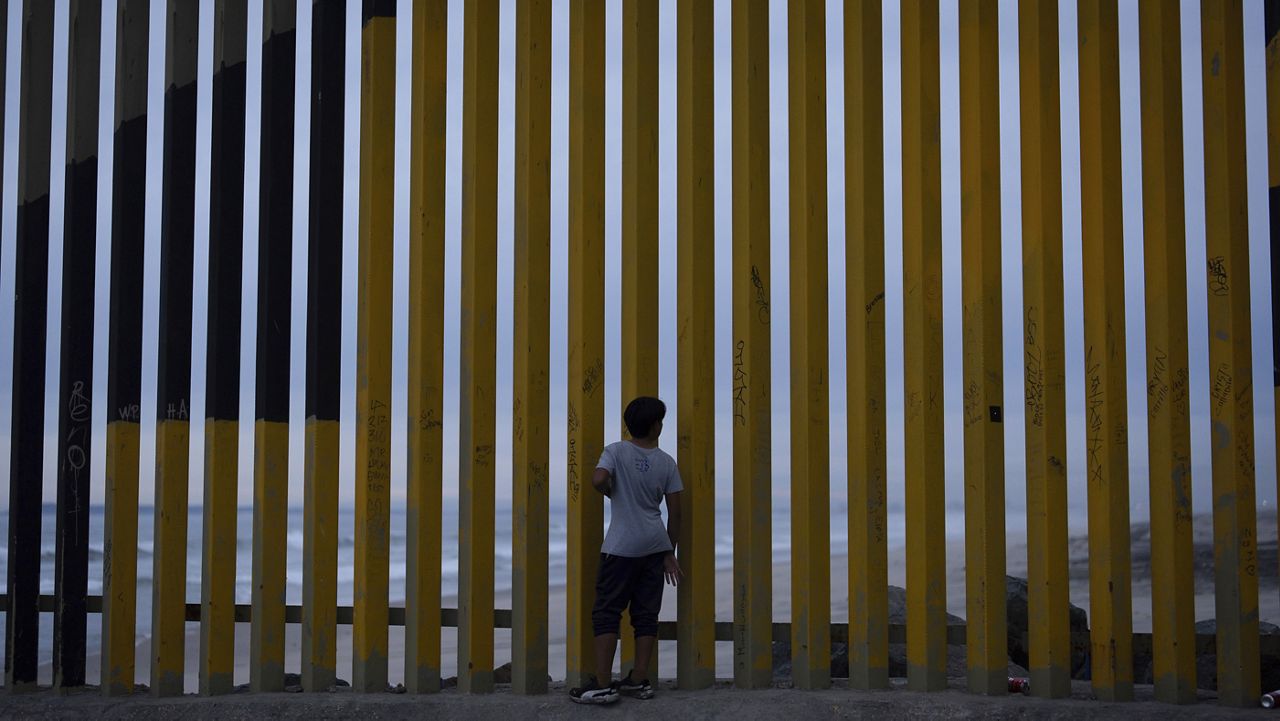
1258, 229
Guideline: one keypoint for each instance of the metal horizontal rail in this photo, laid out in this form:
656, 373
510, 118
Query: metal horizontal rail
1205, 642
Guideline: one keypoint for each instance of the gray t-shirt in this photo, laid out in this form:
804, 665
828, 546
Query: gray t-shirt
641, 479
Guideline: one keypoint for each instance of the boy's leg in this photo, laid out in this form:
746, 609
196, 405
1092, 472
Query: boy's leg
606, 646
646, 602
612, 590
644, 653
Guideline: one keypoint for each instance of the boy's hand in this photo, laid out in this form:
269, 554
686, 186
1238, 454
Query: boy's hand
671, 569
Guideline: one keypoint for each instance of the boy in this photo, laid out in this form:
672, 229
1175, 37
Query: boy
637, 552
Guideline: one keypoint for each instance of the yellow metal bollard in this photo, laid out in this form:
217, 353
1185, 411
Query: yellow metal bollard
695, 309
1168, 373
810, 415
639, 225
922, 354
1106, 430
586, 327
1044, 361
1235, 543
425, 425
752, 415
124, 362
864, 273
173, 425
222, 388
373, 347
324, 347
532, 296
478, 344
275, 272
986, 635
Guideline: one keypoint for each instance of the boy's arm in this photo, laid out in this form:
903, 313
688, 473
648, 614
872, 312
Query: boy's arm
673, 519
602, 481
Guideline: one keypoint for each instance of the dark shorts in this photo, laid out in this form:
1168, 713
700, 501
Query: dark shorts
628, 582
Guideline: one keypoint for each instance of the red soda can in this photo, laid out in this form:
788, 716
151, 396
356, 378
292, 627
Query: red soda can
1018, 684
1271, 700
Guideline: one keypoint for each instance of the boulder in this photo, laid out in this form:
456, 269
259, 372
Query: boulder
1207, 663
898, 607
957, 662
502, 674
1210, 626
1016, 611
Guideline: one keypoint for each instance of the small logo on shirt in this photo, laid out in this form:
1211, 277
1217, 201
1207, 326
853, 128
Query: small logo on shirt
642, 464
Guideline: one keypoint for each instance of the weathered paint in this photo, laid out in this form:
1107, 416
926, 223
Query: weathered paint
217, 598
1168, 374
270, 521
168, 598
532, 302
752, 389
124, 357
865, 351
478, 345
320, 553
80, 231
585, 415
983, 377
922, 351
373, 347
695, 349
173, 368
1106, 422
1043, 351
1235, 543
222, 381
324, 339
31, 278
426, 346
810, 414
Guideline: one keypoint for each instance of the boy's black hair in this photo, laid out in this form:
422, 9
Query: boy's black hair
641, 414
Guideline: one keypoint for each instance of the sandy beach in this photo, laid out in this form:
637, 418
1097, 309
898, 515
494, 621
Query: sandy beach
1269, 598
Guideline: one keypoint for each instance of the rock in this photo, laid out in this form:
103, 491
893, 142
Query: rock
1270, 672
1016, 610
293, 688
292, 679
398, 688
341, 683
1210, 626
502, 674
1207, 663
1207, 671
839, 660
957, 661
451, 682
782, 659
898, 607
